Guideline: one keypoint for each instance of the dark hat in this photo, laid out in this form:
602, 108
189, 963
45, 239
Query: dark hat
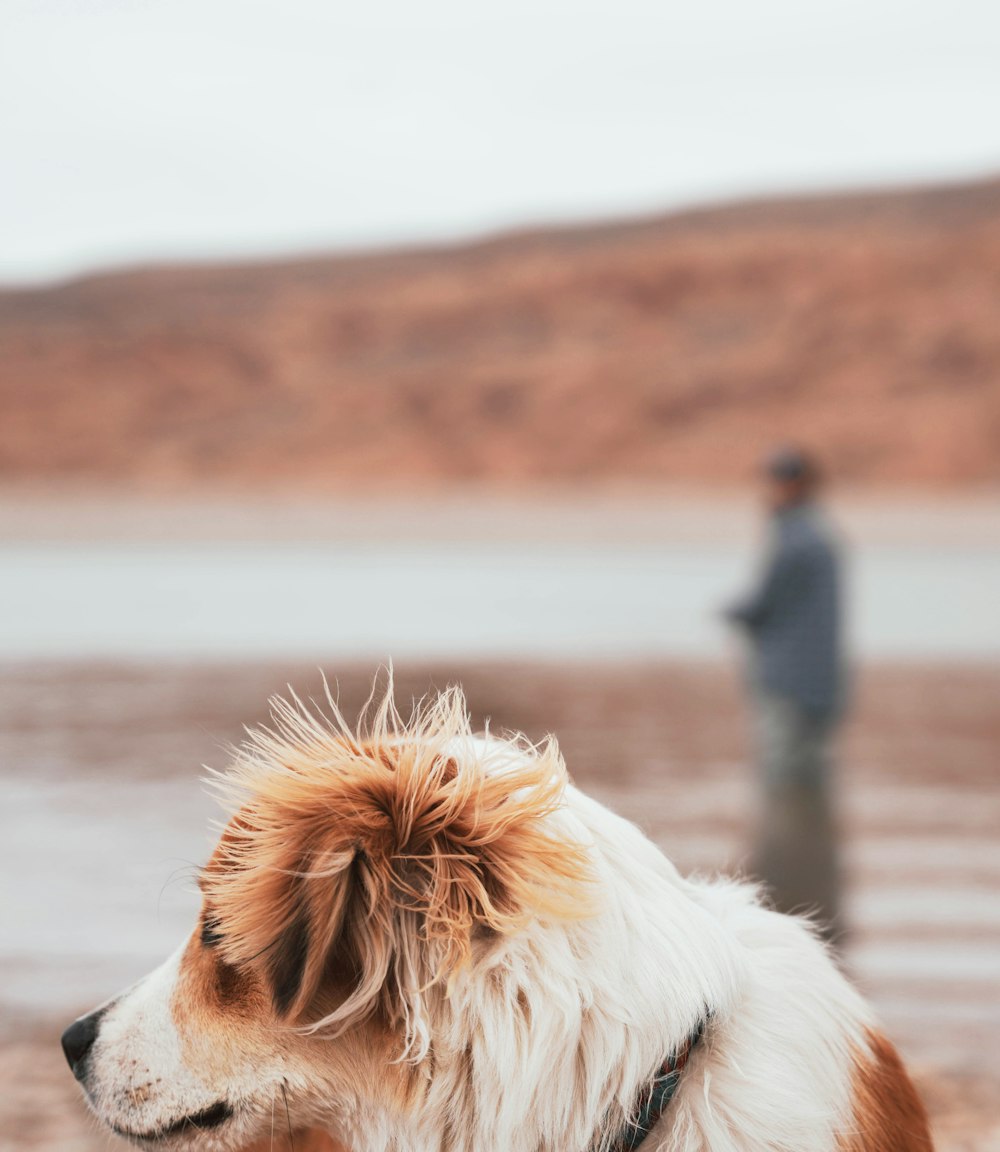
790, 463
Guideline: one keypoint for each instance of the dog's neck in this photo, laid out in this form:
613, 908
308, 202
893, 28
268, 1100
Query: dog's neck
657, 1096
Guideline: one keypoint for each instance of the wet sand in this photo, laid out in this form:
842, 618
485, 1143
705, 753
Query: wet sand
105, 822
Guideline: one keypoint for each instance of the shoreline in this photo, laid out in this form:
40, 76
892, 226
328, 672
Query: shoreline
677, 515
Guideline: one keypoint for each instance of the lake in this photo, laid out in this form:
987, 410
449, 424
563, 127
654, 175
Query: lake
376, 598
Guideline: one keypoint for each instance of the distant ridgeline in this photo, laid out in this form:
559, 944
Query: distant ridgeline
668, 350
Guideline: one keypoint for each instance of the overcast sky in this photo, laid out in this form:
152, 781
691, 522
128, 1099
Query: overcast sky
169, 129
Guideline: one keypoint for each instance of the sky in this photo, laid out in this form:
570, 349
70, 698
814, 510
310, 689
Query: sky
167, 130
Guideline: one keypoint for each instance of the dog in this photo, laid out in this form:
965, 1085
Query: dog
418, 939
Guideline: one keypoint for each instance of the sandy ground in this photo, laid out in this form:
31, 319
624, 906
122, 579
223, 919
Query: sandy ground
100, 767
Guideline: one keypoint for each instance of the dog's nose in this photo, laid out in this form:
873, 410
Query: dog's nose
78, 1039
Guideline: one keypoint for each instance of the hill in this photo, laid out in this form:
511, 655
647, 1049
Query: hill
664, 351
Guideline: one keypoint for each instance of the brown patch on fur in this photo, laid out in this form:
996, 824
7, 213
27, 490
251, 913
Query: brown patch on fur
223, 1013
311, 1141
208, 988
888, 1113
215, 1007
380, 856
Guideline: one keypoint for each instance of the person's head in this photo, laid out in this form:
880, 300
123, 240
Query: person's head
791, 476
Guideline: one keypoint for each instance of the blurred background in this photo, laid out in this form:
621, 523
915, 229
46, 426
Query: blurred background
332, 334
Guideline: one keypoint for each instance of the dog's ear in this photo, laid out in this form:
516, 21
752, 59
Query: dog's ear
287, 963
279, 890
358, 871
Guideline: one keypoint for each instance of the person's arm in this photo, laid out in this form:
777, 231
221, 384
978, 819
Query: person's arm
753, 609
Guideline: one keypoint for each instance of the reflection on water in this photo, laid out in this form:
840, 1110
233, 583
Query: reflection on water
110, 893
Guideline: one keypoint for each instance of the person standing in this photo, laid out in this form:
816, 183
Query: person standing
793, 621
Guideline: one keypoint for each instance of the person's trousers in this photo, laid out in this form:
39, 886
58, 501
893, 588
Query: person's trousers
796, 845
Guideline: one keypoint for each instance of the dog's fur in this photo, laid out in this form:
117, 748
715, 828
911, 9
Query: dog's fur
420, 940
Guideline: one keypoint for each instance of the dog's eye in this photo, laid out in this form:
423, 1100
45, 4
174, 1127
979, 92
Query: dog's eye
210, 933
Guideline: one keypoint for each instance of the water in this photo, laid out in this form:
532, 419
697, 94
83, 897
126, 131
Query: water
380, 599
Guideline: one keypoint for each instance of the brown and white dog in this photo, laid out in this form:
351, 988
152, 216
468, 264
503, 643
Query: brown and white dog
418, 939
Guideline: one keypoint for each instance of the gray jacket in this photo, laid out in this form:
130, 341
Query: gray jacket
793, 616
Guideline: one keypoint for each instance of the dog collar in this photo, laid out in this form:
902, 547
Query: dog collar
656, 1098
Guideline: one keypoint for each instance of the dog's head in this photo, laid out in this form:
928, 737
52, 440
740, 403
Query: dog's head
361, 876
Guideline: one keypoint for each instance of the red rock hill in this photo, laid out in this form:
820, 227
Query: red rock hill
670, 350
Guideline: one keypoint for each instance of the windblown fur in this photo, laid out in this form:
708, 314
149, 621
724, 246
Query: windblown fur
390, 852
424, 940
